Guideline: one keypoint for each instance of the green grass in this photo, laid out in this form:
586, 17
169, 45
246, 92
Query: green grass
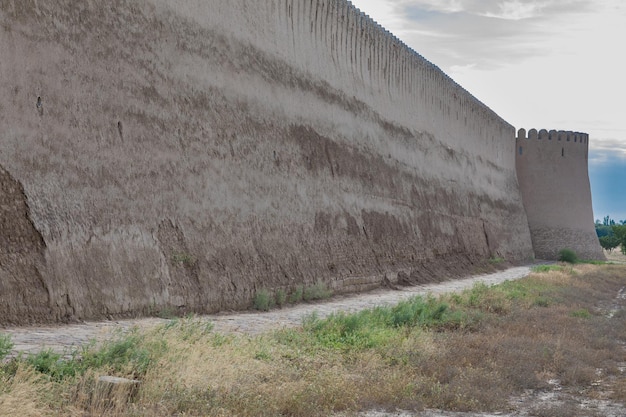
376, 327
546, 268
583, 313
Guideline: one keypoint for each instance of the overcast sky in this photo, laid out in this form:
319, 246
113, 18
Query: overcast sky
544, 64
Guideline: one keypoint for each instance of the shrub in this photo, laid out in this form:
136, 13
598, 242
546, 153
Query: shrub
52, 364
319, 291
568, 255
281, 297
297, 295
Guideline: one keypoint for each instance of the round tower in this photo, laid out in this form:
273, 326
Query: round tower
554, 181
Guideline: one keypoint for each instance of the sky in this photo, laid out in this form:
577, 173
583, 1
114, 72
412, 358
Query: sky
544, 64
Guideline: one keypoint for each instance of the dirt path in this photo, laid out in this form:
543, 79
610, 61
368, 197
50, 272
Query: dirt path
62, 338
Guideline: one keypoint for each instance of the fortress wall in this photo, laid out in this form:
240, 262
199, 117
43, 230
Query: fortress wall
349, 51
185, 154
553, 177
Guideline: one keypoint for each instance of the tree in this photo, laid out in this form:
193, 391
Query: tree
608, 221
610, 242
619, 230
602, 230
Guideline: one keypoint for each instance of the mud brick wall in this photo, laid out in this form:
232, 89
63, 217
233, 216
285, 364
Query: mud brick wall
182, 155
552, 169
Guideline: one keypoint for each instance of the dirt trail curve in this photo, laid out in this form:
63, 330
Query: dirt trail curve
61, 338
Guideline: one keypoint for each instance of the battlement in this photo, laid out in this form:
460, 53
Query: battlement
556, 135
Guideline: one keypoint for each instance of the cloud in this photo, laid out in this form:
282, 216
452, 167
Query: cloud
607, 151
544, 63
502, 9
483, 33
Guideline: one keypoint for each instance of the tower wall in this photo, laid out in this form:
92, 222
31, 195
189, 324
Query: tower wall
553, 176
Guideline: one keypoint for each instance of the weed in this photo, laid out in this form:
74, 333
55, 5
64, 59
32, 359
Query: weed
496, 260
484, 298
6, 345
183, 259
127, 354
190, 329
583, 313
54, 365
263, 300
263, 355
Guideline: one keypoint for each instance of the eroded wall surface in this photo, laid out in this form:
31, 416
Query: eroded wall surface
554, 180
182, 155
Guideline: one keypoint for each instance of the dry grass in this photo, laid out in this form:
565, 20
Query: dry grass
26, 394
550, 326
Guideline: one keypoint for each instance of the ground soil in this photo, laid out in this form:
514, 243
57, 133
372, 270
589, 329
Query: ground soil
557, 398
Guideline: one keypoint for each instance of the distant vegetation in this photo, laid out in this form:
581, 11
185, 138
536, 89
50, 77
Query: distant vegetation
611, 234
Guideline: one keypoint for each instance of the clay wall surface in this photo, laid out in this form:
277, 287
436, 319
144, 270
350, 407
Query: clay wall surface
554, 180
183, 155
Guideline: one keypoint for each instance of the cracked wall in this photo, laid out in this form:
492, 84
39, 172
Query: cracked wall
23, 292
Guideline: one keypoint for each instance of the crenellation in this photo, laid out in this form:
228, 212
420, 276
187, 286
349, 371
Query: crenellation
554, 135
